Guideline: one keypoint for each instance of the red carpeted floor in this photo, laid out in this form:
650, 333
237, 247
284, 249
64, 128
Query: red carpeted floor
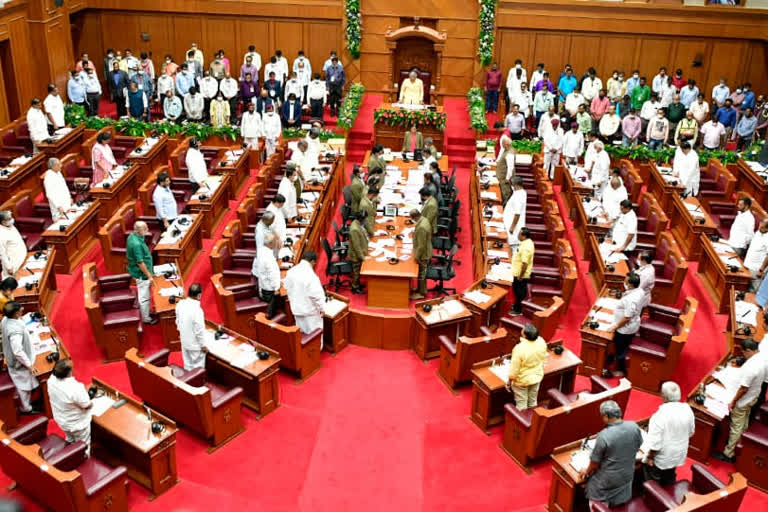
373, 429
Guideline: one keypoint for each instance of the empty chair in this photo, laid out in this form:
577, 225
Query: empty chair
457, 357
442, 273
234, 268
546, 319
238, 304
299, 352
335, 270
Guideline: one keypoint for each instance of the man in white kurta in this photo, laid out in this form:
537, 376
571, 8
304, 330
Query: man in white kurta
601, 166
190, 321
251, 126
573, 144
278, 225
56, 190
13, 250
306, 294
287, 189
743, 227
412, 90
70, 403
625, 229
54, 108
514, 212
272, 128
37, 124
305, 160
19, 354
553, 144
196, 167
613, 195
647, 273
686, 167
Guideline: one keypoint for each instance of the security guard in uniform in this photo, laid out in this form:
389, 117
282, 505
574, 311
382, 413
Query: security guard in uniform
358, 248
422, 250
368, 205
430, 208
356, 188
502, 167
376, 163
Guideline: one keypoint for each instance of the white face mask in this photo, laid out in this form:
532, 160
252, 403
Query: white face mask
517, 66
635, 75
738, 91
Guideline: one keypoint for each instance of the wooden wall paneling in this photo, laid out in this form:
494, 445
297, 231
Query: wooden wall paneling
58, 42
5, 116
757, 67
654, 53
550, 48
582, 52
322, 37
688, 50
447, 9
378, 25
120, 31
616, 52
726, 60
289, 37
188, 30
461, 48
254, 32
374, 330
26, 75
516, 44
87, 37
376, 81
220, 35
160, 42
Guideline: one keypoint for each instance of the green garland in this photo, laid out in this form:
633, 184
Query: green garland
642, 153
407, 118
350, 107
476, 99
529, 146
487, 18
298, 133
354, 28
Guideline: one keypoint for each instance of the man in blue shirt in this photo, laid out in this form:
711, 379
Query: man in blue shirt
76, 90
689, 93
334, 79
163, 199
745, 129
749, 97
727, 115
633, 81
184, 80
566, 85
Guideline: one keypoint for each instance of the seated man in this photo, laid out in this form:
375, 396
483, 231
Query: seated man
412, 90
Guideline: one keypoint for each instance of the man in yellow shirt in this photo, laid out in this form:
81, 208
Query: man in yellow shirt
522, 265
526, 369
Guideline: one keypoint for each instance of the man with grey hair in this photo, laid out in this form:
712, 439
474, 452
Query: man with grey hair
265, 226
13, 250
429, 144
612, 462
56, 190
140, 268
669, 430
267, 271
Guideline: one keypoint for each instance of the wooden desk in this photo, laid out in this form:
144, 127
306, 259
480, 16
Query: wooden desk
711, 432
716, 276
596, 344
686, 228
438, 322
490, 395
40, 295
236, 164
736, 329
73, 244
120, 192
259, 381
182, 252
336, 328
24, 174
217, 193
165, 310
599, 272
124, 436
663, 189
150, 154
487, 313
392, 136
572, 192
595, 221
63, 145
753, 183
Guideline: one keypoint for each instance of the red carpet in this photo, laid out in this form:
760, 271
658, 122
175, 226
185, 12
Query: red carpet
373, 429
360, 137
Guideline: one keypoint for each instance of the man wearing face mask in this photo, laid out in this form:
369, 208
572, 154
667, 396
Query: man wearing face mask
633, 81
616, 87
140, 268
13, 250
185, 80
272, 129
219, 111
743, 227
659, 81
745, 129
536, 76
92, 92
686, 167
727, 115
209, 86
658, 130
108, 62
54, 108
591, 85
761, 112
515, 77
720, 93
287, 189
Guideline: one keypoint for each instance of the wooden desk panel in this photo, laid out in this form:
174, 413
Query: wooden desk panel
736, 329
336, 329
148, 158
73, 244
69, 143
237, 167
42, 294
717, 278
595, 344
166, 311
184, 252
426, 339
490, 394
752, 183
120, 192
661, 189
711, 432
487, 314
124, 436
214, 207
26, 176
392, 136
686, 229
42, 365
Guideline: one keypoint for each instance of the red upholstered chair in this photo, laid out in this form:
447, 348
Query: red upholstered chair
425, 76
243, 243
249, 214
17, 140
543, 286
238, 305
71, 169
546, 319
36, 432
234, 267
299, 352
671, 269
31, 218
181, 189
9, 412
754, 449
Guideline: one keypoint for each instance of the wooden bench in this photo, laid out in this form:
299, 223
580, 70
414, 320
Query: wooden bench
299, 353
457, 359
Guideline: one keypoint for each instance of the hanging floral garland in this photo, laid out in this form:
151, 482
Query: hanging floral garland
354, 27
487, 20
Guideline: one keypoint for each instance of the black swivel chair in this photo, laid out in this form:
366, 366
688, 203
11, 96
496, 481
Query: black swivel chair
341, 246
335, 269
442, 273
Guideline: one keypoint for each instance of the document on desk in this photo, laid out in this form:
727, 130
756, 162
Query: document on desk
496, 253
607, 303
722, 248
580, 460
477, 296
501, 272
602, 317
501, 370
720, 393
333, 307
101, 405
730, 260
485, 194
171, 292
36, 264
694, 209
746, 312
32, 279
454, 307
716, 407
162, 269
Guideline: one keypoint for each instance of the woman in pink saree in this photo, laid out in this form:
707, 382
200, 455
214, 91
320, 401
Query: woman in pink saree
102, 159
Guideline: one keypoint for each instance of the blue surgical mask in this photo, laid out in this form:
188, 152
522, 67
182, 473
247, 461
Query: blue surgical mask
11, 222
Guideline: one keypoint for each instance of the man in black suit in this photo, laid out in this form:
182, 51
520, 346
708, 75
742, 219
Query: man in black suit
117, 81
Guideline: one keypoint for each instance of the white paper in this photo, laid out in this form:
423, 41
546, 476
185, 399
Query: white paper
496, 253
36, 264
32, 278
746, 312
333, 307
716, 407
162, 269
485, 194
501, 371
101, 405
171, 292
607, 302
477, 296
454, 307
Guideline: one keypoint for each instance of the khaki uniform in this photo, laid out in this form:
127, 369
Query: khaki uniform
367, 206
501, 175
376, 164
422, 250
430, 210
407, 141
358, 249
356, 189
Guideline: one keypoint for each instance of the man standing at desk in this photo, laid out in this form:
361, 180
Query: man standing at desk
56, 190
612, 462
164, 200
13, 250
514, 212
265, 226
70, 404
19, 355
756, 259
521, 266
647, 273
140, 268
669, 431
412, 90
306, 294
686, 167
505, 169
624, 233
376, 163
526, 369
278, 226
413, 140
422, 251
368, 205
430, 209
267, 271
743, 227
356, 188
358, 248
626, 320
190, 321
287, 189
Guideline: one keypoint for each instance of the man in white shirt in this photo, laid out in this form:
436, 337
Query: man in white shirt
264, 227
686, 167
37, 124
306, 294
553, 144
514, 212
304, 76
19, 354
751, 379
267, 271
720, 93
700, 109
229, 88
648, 110
272, 129
56, 190
572, 102
647, 273
524, 100
295, 87
13, 250
54, 108
599, 170
272, 67
165, 82
287, 189
304, 159
516, 76
302, 61
545, 121
625, 229
537, 75
743, 227
316, 94
92, 92
209, 88
626, 321
669, 430
190, 321
278, 225
70, 403
659, 81
613, 195
164, 200
609, 125
194, 105
282, 64
254, 55
251, 127
756, 259
713, 134
591, 86
196, 167
573, 144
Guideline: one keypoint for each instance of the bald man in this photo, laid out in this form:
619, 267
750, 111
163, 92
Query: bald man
140, 268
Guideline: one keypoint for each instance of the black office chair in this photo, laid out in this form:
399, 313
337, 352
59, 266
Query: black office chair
335, 269
442, 244
449, 226
347, 193
341, 246
442, 273
346, 215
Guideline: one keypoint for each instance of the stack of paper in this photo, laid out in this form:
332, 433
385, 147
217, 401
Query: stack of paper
716, 407
162, 269
722, 248
523, 158
501, 370
496, 253
580, 460
101, 405
477, 296
454, 307
36, 264
607, 302
694, 210
172, 291
501, 272
487, 194
32, 278
602, 316
333, 307
746, 312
